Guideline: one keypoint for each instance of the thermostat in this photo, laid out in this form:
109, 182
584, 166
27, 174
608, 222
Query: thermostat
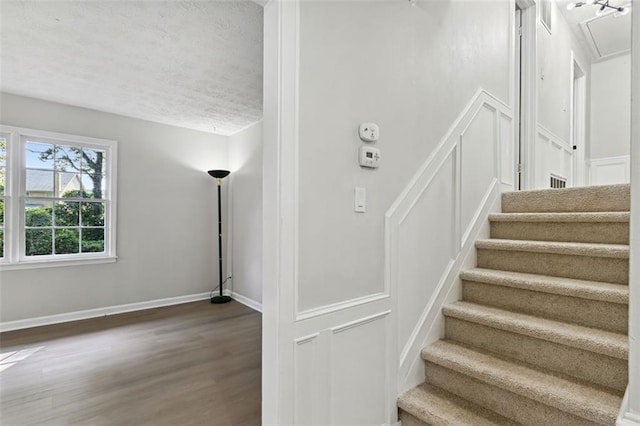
369, 157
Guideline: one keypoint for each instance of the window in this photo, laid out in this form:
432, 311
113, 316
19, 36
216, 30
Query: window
57, 198
3, 174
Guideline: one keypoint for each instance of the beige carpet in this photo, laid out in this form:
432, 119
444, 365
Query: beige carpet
539, 337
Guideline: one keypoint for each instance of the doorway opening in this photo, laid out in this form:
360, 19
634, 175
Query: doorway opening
518, 96
578, 123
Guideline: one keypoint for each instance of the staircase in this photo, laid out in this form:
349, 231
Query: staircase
540, 335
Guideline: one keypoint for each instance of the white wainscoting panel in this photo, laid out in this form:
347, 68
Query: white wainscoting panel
420, 265
507, 152
553, 156
306, 359
431, 228
341, 371
358, 372
610, 170
478, 146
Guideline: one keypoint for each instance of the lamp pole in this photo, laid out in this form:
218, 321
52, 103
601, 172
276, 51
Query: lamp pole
219, 175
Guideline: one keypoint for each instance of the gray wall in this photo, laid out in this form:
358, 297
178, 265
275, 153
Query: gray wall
555, 75
634, 278
411, 70
245, 162
611, 107
166, 208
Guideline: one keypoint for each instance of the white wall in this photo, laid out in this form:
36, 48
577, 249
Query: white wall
610, 121
328, 67
556, 52
610, 107
166, 215
245, 163
393, 64
632, 411
555, 74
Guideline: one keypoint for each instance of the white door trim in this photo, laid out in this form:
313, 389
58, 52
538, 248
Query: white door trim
280, 200
578, 121
529, 92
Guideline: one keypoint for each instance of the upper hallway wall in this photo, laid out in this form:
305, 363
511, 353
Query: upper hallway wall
409, 68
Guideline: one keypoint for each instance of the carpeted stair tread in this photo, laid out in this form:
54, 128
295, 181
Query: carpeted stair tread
593, 290
618, 251
576, 336
590, 403
438, 407
606, 198
581, 217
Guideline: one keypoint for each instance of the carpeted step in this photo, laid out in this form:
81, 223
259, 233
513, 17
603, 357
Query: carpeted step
607, 198
519, 392
600, 227
429, 405
589, 303
589, 354
584, 261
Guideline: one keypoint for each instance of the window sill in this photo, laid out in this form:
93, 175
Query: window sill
37, 264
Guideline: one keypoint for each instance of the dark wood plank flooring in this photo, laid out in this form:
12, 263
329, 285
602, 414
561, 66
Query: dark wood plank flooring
190, 364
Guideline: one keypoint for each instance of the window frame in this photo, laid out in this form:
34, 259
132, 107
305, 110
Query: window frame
15, 196
7, 193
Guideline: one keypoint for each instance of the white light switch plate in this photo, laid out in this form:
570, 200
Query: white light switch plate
360, 200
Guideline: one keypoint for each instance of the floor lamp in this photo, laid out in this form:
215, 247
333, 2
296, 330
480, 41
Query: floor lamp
219, 175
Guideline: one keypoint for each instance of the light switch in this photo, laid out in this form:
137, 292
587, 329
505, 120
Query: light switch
360, 200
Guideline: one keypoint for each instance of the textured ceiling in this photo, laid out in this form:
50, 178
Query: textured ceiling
194, 64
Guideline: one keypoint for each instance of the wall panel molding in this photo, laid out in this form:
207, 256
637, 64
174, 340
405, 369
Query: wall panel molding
352, 345
306, 394
610, 170
552, 156
334, 307
448, 200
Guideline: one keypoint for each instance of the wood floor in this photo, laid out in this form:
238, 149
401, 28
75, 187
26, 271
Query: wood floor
190, 364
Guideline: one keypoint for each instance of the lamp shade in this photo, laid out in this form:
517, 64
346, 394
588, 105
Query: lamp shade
219, 174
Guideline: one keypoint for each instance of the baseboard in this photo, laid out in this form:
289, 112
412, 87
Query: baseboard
246, 301
100, 312
626, 417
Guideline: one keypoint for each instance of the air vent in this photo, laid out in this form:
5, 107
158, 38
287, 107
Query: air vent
558, 181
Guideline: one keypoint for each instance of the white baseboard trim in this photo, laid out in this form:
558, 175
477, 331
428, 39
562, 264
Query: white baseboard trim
99, 312
246, 301
627, 421
626, 417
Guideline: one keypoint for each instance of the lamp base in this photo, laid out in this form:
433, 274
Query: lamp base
221, 299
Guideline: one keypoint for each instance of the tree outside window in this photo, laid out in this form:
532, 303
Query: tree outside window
64, 207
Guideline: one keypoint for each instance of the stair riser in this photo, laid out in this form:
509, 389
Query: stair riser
614, 198
409, 420
508, 404
585, 232
593, 367
590, 313
604, 269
